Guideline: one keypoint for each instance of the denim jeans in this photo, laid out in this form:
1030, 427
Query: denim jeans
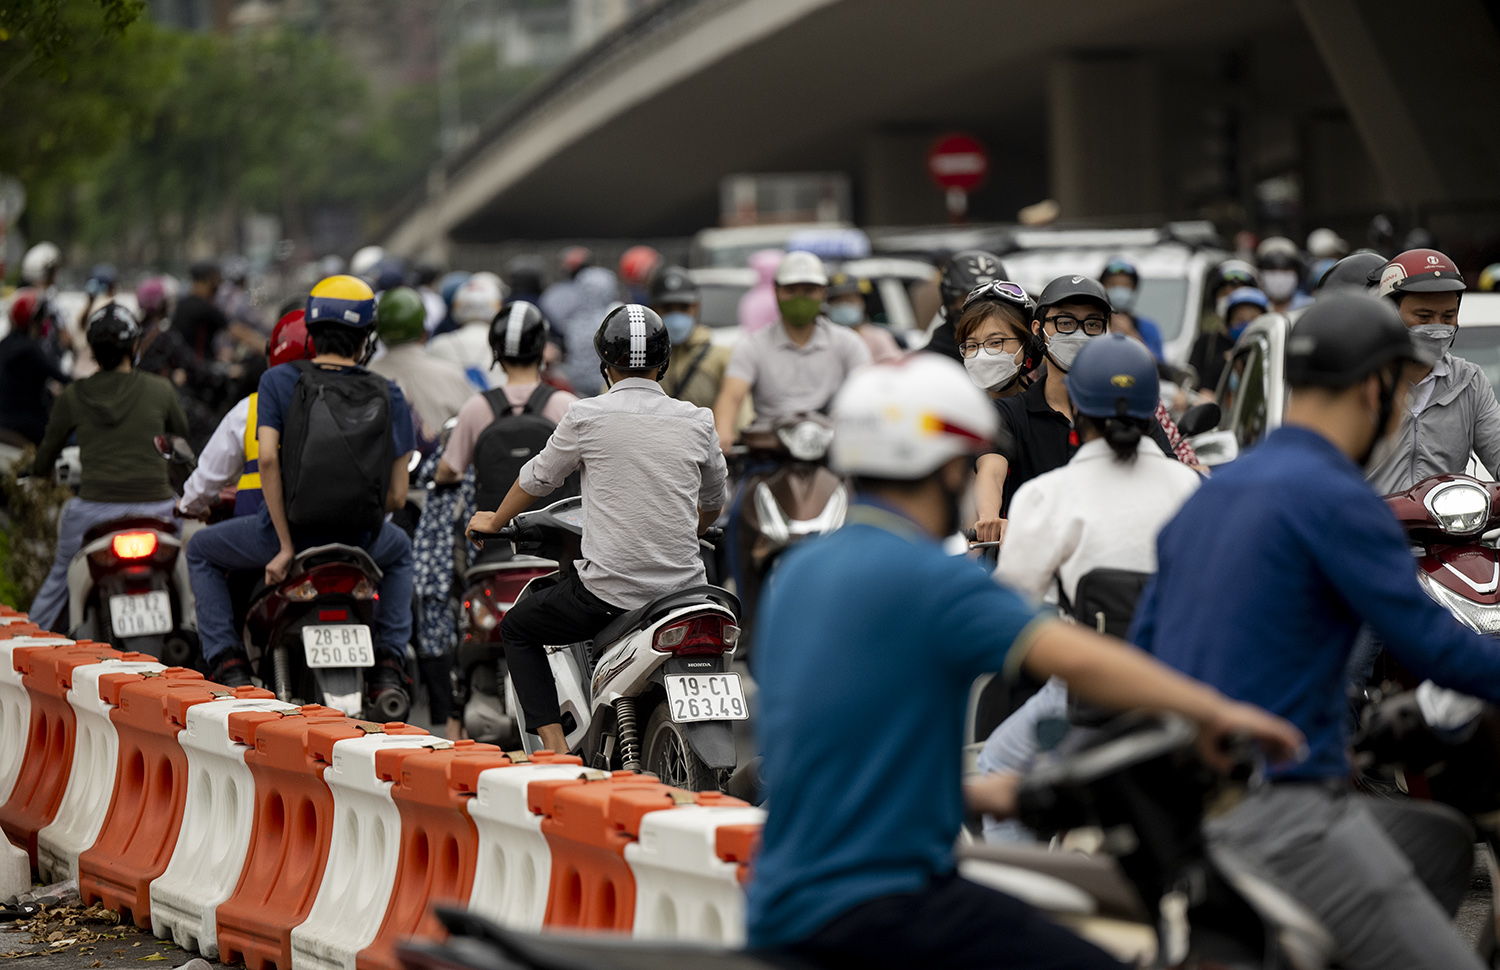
249, 542
79, 516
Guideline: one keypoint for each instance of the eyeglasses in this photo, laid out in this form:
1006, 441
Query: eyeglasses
1002, 290
1064, 323
994, 346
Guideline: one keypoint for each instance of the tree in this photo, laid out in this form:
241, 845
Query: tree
48, 30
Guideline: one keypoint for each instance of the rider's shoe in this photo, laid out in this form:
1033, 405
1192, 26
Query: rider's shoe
231, 670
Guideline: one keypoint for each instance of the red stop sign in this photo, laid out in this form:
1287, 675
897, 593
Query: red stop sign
958, 162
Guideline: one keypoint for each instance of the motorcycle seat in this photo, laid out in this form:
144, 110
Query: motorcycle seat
654, 610
1100, 876
125, 525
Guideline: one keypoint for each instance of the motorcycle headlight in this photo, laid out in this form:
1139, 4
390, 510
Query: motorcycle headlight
1460, 508
806, 440
773, 523
1475, 616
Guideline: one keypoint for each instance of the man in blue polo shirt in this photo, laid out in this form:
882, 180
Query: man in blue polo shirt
866, 644
1264, 578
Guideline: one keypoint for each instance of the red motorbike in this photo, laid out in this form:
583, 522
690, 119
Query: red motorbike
1448, 518
491, 586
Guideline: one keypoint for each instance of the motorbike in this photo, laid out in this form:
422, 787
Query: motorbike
789, 494
1449, 519
491, 588
653, 691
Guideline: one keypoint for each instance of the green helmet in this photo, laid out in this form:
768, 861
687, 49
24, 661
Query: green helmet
400, 317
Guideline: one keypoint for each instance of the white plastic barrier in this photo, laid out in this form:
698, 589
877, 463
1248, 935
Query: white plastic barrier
91, 781
15, 712
215, 832
362, 856
683, 890
514, 867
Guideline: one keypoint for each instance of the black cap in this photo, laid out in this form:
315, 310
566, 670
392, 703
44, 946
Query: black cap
1359, 270
519, 333
632, 337
113, 324
674, 285
1344, 338
842, 284
966, 270
1072, 289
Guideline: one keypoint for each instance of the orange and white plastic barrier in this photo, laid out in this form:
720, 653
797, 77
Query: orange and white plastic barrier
301, 839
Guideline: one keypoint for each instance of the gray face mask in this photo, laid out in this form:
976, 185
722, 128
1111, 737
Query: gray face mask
1064, 347
1433, 339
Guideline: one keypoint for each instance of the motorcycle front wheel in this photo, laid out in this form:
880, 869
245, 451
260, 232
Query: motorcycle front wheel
669, 756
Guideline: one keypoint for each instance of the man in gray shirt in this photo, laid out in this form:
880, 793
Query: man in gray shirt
653, 481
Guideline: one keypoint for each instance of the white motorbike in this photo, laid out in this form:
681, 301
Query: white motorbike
653, 691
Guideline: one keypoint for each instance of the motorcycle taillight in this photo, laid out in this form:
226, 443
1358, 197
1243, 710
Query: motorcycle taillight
330, 579
703, 633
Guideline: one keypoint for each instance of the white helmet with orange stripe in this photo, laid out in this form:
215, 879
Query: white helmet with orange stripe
903, 421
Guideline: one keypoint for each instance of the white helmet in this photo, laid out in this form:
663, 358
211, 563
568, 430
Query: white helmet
39, 260
365, 260
1326, 244
478, 299
904, 420
798, 266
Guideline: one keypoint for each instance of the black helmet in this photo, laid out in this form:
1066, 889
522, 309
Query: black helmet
632, 337
1344, 338
1072, 289
1359, 271
966, 270
113, 325
673, 285
519, 333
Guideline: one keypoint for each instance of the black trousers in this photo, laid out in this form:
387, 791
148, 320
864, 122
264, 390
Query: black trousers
564, 613
951, 923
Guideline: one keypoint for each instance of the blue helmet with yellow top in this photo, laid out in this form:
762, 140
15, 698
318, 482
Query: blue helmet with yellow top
344, 300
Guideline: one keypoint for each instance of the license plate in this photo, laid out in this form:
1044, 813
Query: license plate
338, 645
141, 614
705, 697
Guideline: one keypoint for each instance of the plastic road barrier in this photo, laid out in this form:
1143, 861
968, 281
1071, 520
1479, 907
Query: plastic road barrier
514, 870
685, 888
293, 828
214, 836
361, 871
15, 707
432, 790
140, 830
91, 781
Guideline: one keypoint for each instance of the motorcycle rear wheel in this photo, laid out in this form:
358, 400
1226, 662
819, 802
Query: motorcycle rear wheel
669, 756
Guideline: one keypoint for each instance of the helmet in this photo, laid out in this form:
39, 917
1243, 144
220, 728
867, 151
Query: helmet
39, 260
151, 295
288, 339
632, 337
1278, 252
1114, 377
966, 270
1489, 278
449, 284
400, 317
842, 284
1072, 289
389, 273
344, 300
23, 307
674, 285
114, 325
575, 258
1235, 271
904, 420
1323, 243
364, 260
519, 333
1120, 265
102, 277
1359, 270
526, 274
1344, 338
799, 266
478, 299
1246, 295
1420, 271
638, 263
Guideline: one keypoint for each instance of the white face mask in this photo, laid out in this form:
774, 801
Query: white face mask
1434, 338
992, 373
1279, 284
1064, 347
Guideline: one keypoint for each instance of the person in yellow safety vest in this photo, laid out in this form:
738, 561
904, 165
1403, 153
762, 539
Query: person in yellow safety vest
232, 454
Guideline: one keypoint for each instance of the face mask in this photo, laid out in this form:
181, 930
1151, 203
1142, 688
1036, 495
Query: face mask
846, 314
679, 325
799, 311
1235, 331
1122, 298
991, 373
1433, 339
1279, 284
1064, 347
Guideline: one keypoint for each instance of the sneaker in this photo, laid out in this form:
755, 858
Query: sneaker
231, 670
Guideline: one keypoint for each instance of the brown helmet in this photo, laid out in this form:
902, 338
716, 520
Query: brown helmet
1420, 271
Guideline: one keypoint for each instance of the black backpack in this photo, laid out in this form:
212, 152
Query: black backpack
337, 451
510, 441
1105, 599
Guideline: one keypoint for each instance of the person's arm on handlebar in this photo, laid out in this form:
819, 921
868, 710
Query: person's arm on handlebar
516, 501
989, 486
707, 518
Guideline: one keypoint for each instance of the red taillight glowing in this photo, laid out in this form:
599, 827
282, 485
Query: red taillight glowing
134, 545
706, 633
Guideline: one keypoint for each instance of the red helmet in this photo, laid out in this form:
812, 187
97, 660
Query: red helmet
638, 263
289, 339
23, 307
1420, 271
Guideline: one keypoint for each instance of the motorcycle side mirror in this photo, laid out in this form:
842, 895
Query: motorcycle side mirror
1199, 418
174, 449
414, 462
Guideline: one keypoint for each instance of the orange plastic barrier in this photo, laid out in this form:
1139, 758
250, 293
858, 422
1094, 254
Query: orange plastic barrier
25, 628
439, 845
739, 844
293, 825
39, 787
140, 831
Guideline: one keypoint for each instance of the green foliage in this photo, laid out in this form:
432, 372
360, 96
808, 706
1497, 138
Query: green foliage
52, 31
28, 541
